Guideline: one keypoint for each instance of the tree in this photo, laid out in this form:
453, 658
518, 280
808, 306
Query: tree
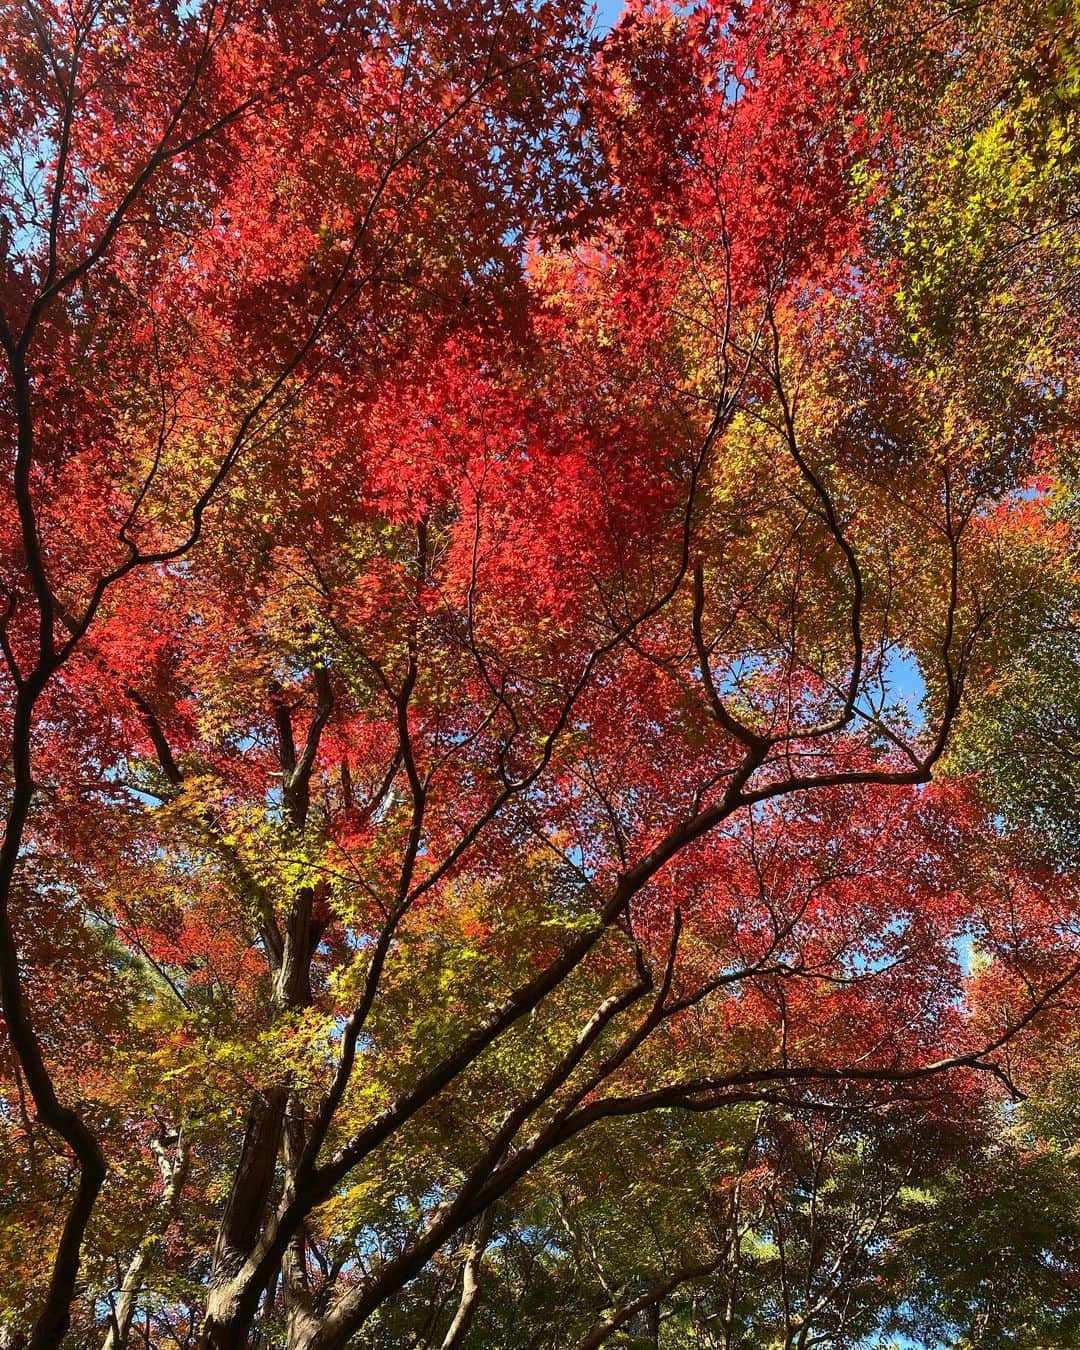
128, 392
476, 497
982, 227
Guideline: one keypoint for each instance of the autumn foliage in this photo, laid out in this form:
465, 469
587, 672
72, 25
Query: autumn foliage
519, 537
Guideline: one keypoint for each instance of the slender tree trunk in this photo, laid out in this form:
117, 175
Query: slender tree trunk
53, 1321
300, 1316
470, 1283
173, 1171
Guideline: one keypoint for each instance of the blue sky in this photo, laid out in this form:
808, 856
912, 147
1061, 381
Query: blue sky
607, 11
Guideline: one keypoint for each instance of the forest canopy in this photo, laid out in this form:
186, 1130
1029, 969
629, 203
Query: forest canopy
539, 674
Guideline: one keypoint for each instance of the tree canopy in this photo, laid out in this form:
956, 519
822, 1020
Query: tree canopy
539, 676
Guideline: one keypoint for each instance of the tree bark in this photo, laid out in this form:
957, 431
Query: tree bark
470, 1283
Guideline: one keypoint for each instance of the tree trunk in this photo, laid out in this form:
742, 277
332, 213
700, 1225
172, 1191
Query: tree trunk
173, 1172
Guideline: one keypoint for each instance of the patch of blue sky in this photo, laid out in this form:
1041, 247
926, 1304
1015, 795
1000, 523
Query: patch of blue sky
964, 946
903, 678
607, 14
896, 696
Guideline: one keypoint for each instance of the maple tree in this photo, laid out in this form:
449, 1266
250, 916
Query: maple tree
502, 534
